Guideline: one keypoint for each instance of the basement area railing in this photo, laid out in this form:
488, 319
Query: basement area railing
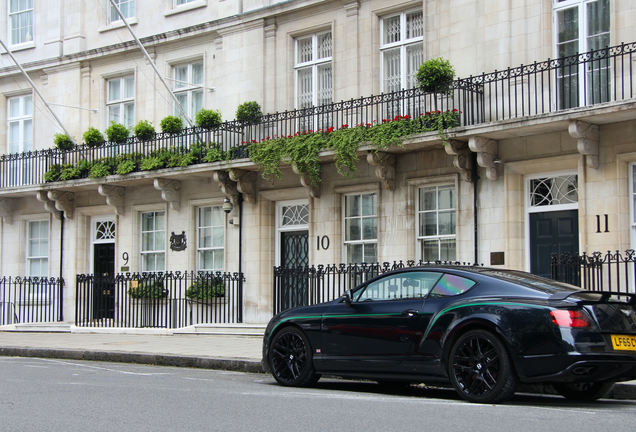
168, 300
612, 271
30, 300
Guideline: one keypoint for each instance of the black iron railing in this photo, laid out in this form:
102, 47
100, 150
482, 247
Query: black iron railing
169, 300
30, 299
612, 271
595, 77
304, 286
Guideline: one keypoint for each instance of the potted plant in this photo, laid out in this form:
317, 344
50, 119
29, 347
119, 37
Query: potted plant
63, 141
208, 119
144, 130
93, 137
148, 289
435, 75
117, 133
249, 112
171, 125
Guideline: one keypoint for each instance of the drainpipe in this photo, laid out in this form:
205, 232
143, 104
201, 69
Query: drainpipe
475, 179
240, 266
61, 266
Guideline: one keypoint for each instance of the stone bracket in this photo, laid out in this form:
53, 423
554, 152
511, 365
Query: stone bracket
170, 191
486, 150
114, 197
245, 183
49, 205
64, 201
461, 157
227, 186
305, 180
384, 164
588, 141
7, 208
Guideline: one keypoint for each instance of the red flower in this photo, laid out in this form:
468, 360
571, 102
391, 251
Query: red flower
345, 126
406, 117
369, 124
428, 113
384, 120
330, 129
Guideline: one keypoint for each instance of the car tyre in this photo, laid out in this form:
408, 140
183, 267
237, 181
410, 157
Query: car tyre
585, 391
480, 369
290, 358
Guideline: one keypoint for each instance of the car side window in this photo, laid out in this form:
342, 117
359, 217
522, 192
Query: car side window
451, 285
398, 286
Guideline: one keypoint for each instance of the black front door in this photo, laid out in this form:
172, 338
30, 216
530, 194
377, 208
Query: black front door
551, 233
294, 253
104, 282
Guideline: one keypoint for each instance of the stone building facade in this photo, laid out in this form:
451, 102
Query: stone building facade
543, 160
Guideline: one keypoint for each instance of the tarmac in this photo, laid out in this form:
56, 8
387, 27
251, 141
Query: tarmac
237, 348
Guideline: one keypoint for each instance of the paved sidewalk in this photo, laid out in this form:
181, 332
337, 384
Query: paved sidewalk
211, 351
241, 353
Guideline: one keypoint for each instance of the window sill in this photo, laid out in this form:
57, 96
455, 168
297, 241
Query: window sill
117, 25
22, 46
186, 7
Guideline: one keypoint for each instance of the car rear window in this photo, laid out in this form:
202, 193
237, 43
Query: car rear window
533, 281
451, 285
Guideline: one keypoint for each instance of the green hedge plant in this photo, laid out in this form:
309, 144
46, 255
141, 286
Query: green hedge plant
435, 75
206, 289
144, 131
171, 125
93, 137
249, 112
117, 133
208, 119
63, 141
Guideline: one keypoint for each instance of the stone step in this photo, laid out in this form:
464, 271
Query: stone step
53, 327
224, 329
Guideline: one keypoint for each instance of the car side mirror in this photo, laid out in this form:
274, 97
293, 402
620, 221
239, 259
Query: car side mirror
347, 297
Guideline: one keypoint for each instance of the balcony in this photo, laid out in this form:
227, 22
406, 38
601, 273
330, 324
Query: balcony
598, 79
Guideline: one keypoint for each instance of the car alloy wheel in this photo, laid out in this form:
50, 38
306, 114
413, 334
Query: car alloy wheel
480, 369
290, 358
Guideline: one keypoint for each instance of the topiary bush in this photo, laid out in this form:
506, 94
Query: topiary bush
117, 132
63, 141
171, 124
249, 112
208, 119
435, 75
144, 130
93, 137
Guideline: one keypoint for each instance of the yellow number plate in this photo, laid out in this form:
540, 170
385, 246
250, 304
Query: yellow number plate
624, 342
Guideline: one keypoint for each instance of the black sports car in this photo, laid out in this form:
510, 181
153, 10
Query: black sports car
483, 330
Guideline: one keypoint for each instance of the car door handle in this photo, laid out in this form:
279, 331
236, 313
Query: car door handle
410, 313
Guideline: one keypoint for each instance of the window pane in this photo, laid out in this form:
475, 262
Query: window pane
27, 136
181, 76
14, 137
197, 73
428, 199
352, 205
217, 216
324, 45
305, 88
392, 71
368, 205
446, 198
114, 113
447, 223
218, 260
197, 101
27, 105
160, 223
324, 84
391, 30
304, 50
568, 24
217, 236
414, 25
14, 107
352, 228
414, 58
129, 114
429, 224
369, 228
205, 238
430, 250
114, 90
447, 250
354, 253
370, 253
129, 87
598, 17
147, 243
147, 221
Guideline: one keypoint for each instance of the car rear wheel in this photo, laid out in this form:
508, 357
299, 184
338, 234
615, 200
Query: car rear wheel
586, 391
480, 369
290, 358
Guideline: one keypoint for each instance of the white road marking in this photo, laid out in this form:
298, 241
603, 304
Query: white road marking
106, 369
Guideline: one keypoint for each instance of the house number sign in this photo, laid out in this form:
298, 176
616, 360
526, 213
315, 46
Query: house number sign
322, 242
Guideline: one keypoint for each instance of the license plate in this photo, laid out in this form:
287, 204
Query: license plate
624, 342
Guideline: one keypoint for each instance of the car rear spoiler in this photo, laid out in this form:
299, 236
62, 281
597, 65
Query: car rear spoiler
604, 296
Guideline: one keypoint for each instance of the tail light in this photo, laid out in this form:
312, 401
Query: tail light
570, 318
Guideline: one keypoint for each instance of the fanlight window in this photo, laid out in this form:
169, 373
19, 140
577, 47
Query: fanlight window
554, 191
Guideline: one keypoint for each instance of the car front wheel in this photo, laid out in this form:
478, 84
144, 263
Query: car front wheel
480, 369
290, 358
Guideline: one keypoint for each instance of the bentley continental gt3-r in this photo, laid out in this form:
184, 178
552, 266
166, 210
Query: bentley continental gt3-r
482, 330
